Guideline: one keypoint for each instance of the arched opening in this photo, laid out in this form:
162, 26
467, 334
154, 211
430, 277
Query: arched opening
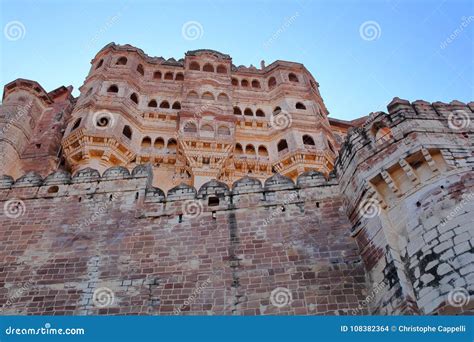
159, 143
171, 145
235, 82
113, 89
134, 98
282, 145
122, 61
222, 97
299, 105
207, 130
238, 149
272, 82
169, 76
179, 77
165, 104
153, 104
146, 142
255, 84
127, 132
221, 69
207, 96
248, 112
308, 140
276, 110
223, 131
157, 75
260, 113
293, 78
208, 68
190, 127
237, 111
176, 105
244, 83
192, 95
262, 151
194, 66
250, 150
140, 69
77, 123
101, 62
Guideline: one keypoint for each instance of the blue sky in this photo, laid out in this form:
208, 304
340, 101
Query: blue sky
403, 52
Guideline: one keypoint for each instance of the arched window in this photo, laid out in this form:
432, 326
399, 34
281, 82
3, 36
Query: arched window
122, 61
159, 143
223, 130
134, 98
260, 113
165, 104
146, 142
207, 130
262, 151
99, 64
157, 75
140, 69
179, 77
250, 150
113, 89
208, 68
238, 149
194, 66
221, 69
193, 95
176, 105
169, 76
272, 82
248, 112
299, 105
190, 127
127, 132
277, 110
222, 97
293, 78
153, 104
244, 83
282, 145
255, 84
308, 140
207, 96
235, 82
171, 145
237, 111
76, 124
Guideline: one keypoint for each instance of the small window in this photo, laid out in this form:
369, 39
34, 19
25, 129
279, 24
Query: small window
308, 140
293, 78
169, 76
255, 84
146, 142
260, 113
276, 111
299, 105
179, 77
172, 145
221, 69
238, 149
208, 68
262, 151
194, 66
157, 75
190, 127
134, 98
165, 104
237, 111
272, 82
207, 96
235, 82
101, 62
122, 61
222, 97
244, 83
76, 124
282, 145
250, 150
159, 143
193, 95
248, 112
127, 132
113, 89
223, 130
153, 104
176, 105
140, 69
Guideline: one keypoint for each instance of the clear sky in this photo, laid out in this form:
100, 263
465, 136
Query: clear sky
363, 53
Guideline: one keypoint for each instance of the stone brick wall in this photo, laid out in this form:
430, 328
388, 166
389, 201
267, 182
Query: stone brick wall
217, 251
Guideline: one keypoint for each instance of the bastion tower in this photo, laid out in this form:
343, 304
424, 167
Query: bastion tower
198, 118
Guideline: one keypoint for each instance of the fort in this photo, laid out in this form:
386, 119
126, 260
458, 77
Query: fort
197, 187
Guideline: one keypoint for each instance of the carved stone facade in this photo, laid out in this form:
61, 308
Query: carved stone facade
169, 176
